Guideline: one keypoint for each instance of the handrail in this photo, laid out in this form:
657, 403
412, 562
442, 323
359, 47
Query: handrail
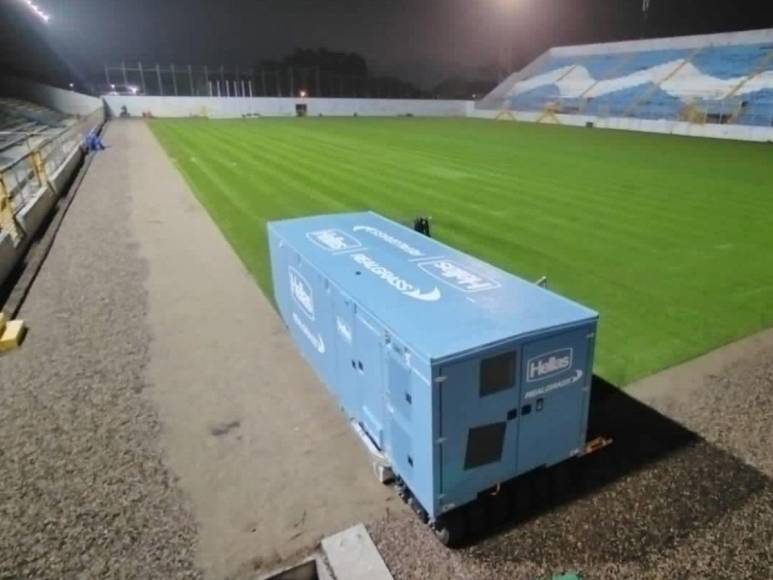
22, 136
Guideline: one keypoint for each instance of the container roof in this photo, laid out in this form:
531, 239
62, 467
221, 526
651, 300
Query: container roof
439, 301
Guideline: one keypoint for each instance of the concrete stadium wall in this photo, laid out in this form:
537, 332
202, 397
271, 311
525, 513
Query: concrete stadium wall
68, 102
235, 107
669, 127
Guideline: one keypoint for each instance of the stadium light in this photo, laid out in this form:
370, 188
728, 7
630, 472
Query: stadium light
37, 10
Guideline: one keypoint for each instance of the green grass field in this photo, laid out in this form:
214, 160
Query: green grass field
669, 238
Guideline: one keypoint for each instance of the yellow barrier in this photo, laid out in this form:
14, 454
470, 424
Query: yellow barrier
12, 333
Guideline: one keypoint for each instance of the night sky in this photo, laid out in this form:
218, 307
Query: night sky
419, 40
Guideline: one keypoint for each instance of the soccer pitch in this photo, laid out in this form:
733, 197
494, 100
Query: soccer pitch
669, 238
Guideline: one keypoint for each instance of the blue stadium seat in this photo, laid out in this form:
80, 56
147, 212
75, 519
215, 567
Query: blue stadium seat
726, 84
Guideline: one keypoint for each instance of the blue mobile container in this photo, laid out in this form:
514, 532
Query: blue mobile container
463, 375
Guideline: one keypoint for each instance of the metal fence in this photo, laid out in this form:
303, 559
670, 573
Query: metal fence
222, 81
23, 178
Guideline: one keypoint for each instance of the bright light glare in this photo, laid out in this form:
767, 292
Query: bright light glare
303, 94
37, 10
134, 90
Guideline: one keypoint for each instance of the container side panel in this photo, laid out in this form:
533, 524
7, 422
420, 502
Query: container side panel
436, 394
409, 402
420, 430
305, 303
400, 402
590, 357
347, 374
479, 419
370, 374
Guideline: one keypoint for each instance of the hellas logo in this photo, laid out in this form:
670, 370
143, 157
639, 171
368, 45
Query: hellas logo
391, 240
395, 281
316, 340
302, 293
333, 240
459, 277
549, 364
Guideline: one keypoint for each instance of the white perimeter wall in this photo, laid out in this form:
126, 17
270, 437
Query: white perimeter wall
68, 102
738, 132
234, 107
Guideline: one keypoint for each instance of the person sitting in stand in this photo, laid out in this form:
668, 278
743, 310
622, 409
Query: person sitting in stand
93, 141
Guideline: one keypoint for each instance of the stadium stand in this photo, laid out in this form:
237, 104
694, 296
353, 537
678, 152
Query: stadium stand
721, 79
40, 148
20, 120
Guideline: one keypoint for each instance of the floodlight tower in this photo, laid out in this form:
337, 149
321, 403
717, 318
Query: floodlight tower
645, 14
506, 10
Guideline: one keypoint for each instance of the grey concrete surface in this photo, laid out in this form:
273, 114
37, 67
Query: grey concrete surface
158, 422
259, 446
352, 555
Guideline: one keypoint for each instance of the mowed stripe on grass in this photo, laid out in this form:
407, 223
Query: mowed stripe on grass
670, 238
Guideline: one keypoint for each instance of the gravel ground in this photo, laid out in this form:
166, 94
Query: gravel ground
84, 492
662, 502
734, 411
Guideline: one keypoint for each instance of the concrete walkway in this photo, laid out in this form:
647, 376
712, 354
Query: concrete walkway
259, 446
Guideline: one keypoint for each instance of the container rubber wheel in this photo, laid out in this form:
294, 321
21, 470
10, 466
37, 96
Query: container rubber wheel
451, 529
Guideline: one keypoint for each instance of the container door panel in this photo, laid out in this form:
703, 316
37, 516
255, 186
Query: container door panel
308, 314
348, 391
478, 426
368, 363
399, 408
555, 382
